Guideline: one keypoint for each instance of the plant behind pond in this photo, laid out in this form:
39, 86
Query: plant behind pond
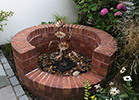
102, 14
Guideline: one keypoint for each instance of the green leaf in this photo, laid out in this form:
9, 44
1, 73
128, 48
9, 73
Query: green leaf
128, 83
115, 10
86, 95
123, 96
85, 9
86, 87
1, 29
86, 98
99, 2
131, 88
89, 88
43, 23
108, 27
125, 86
137, 94
85, 5
78, 6
115, 20
80, 11
78, 17
89, 4
88, 84
82, 1
86, 90
94, 8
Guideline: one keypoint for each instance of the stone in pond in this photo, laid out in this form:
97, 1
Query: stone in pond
76, 73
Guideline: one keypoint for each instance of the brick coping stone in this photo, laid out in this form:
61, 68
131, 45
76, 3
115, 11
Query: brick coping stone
31, 42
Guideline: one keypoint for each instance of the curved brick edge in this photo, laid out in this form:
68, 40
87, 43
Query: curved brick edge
30, 42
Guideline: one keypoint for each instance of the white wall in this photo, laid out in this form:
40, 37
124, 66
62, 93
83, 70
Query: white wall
29, 13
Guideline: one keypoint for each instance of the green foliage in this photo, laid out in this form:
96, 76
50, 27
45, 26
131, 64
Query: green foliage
58, 17
75, 23
89, 13
50, 22
7, 49
87, 87
135, 11
4, 15
109, 93
130, 93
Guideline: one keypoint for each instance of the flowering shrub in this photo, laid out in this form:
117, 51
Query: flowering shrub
101, 14
113, 93
3, 17
118, 13
121, 7
104, 11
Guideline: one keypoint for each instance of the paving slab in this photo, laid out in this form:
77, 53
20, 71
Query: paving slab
24, 97
4, 60
6, 66
7, 93
3, 81
10, 88
1, 54
2, 72
10, 72
14, 81
18, 90
3, 78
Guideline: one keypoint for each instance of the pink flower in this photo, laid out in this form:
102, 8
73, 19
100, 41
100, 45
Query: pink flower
124, 8
121, 7
104, 11
118, 13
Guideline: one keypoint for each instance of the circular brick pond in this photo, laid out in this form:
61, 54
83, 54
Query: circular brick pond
31, 42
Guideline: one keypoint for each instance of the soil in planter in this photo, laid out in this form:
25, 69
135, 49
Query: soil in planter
79, 63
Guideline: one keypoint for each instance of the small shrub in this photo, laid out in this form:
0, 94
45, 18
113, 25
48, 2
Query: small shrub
4, 15
58, 17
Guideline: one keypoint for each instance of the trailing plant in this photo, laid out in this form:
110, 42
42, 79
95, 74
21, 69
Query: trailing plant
102, 14
4, 15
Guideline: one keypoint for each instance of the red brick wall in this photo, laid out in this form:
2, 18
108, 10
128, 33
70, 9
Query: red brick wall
29, 43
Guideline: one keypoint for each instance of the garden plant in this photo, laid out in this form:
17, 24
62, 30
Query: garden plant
4, 15
102, 14
121, 82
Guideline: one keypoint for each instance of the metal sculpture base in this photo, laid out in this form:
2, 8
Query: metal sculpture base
65, 64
